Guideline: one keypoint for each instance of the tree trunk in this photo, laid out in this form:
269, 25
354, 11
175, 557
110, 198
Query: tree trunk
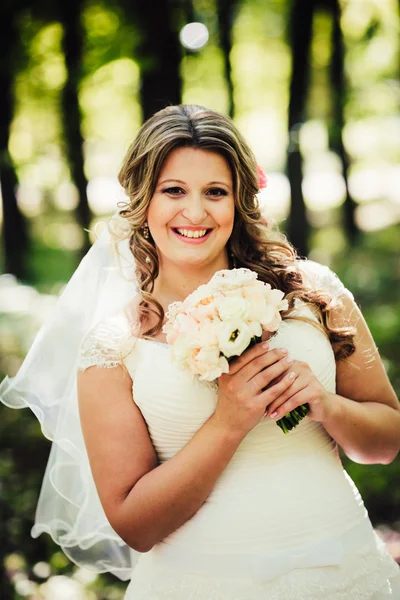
70, 18
6, 588
159, 53
301, 18
225, 12
188, 11
338, 83
14, 229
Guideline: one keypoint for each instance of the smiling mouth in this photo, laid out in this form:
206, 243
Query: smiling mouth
192, 233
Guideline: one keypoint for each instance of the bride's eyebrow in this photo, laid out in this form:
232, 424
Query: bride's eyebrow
176, 180
184, 182
218, 182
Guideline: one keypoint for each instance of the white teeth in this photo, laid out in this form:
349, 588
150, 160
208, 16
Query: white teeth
192, 234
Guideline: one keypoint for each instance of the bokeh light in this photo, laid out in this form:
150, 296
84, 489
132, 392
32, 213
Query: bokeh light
194, 36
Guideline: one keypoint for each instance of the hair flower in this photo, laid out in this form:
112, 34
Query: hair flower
262, 178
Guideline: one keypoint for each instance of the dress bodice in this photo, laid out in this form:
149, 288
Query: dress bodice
176, 404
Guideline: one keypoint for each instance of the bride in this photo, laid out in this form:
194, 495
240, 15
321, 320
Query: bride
187, 489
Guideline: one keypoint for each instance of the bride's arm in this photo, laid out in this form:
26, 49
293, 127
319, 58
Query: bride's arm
365, 420
143, 501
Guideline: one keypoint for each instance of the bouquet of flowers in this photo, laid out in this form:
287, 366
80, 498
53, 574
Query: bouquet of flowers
220, 320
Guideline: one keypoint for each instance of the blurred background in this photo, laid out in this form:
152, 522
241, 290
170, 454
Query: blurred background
315, 88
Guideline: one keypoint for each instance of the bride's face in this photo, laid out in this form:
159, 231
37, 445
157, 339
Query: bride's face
191, 213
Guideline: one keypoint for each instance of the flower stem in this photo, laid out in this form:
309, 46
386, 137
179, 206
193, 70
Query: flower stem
293, 418
256, 339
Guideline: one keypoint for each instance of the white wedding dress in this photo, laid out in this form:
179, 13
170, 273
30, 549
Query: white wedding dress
284, 520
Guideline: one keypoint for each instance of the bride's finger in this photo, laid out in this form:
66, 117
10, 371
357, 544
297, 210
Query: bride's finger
264, 374
299, 383
297, 399
248, 355
269, 395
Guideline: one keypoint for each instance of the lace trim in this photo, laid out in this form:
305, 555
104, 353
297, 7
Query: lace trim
321, 276
361, 578
107, 344
233, 277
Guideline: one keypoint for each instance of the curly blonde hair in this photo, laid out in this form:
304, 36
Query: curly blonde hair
255, 243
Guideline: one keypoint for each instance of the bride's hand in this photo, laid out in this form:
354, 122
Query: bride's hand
242, 397
305, 389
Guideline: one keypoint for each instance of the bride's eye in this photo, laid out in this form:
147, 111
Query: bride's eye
173, 191
217, 192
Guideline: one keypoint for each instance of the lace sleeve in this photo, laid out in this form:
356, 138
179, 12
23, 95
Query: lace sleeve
322, 277
107, 344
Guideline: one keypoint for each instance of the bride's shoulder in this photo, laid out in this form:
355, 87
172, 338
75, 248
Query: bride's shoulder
108, 342
318, 276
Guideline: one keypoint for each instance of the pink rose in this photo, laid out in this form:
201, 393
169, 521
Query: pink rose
208, 363
186, 324
262, 178
183, 324
204, 308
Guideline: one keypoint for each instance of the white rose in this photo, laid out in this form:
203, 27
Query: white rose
268, 315
275, 296
283, 305
233, 308
255, 328
233, 338
271, 317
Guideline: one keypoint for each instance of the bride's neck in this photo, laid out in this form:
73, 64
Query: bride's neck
175, 283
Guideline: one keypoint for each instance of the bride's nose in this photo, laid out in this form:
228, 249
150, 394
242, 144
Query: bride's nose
195, 210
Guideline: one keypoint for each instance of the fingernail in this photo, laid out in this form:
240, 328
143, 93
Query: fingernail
289, 359
284, 350
292, 375
273, 415
265, 345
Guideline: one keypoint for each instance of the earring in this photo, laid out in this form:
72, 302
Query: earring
233, 260
146, 232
